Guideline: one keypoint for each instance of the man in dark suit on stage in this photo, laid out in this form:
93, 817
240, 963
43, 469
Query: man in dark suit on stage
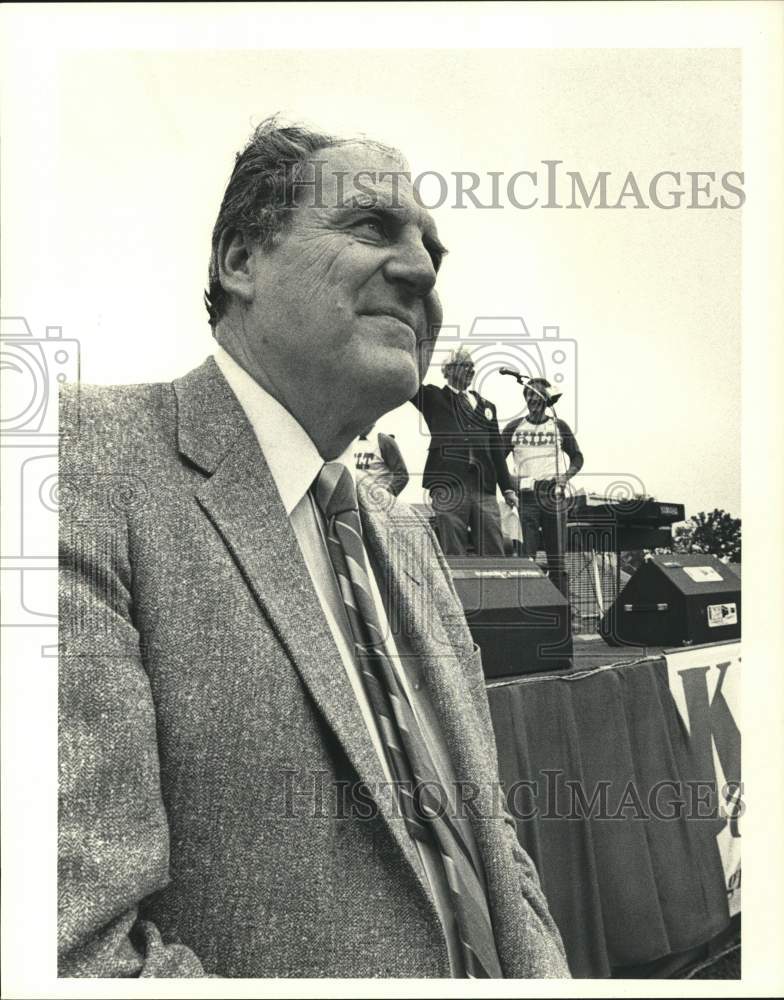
239, 721
465, 461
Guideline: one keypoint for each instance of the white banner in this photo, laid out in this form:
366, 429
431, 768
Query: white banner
705, 685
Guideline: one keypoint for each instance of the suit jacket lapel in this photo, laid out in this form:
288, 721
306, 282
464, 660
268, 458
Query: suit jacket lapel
467, 416
434, 622
478, 412
460, 408
242, 501
399, 547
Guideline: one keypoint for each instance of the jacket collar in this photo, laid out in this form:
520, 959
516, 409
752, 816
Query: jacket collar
466, 416
209, 417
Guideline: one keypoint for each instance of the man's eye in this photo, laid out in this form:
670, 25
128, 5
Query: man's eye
373, 225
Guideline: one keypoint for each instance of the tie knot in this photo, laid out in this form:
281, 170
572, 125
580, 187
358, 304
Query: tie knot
334, 490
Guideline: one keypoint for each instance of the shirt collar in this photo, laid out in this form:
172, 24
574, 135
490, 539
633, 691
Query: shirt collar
293, 459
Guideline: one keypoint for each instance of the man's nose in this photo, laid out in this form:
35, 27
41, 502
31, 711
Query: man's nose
411, 264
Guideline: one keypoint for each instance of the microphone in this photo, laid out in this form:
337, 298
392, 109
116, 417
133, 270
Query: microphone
549, 397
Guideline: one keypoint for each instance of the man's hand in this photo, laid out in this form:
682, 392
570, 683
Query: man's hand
556, 484
510, 497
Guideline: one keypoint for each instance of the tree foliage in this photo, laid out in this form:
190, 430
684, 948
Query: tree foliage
716, 533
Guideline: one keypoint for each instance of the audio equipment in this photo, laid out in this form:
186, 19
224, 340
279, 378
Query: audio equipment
676, 600
640, 511
517, 616
600, 524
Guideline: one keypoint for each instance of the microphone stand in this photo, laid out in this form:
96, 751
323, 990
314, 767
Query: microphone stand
559, 497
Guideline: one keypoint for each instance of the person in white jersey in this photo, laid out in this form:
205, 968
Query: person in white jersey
546, 456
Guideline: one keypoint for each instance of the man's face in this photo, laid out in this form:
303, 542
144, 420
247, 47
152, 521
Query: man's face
461, 375
534, 400
345, 299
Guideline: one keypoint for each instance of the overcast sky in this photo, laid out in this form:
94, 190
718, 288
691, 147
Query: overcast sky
130, 152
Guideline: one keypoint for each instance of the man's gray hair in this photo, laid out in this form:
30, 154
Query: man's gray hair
458, 358
262, 191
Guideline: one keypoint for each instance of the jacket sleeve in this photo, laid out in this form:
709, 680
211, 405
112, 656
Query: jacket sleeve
113, 843
423, 400
507, 435
393, 457
499, 456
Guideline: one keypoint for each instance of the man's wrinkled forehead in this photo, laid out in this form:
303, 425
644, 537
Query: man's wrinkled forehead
361, 175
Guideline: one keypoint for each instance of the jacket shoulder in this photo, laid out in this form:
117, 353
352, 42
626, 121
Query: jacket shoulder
431, 391
114, 424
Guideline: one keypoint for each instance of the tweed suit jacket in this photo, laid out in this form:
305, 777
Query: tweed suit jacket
210, 743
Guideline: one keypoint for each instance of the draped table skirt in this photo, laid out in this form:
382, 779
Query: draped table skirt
611, 778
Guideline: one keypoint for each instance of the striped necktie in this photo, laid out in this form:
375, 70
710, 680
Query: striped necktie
423, 798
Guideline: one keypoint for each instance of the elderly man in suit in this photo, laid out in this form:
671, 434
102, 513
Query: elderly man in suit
465, 461
276, 755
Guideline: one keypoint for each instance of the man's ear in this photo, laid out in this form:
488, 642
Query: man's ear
235, 265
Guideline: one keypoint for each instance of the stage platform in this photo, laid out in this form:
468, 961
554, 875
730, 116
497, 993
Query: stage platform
603, 765
592, 651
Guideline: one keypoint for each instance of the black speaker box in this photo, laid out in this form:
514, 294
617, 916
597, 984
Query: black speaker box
676, 600
518, 618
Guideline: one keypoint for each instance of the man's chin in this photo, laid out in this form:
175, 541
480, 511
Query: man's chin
394, 384
404, 378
